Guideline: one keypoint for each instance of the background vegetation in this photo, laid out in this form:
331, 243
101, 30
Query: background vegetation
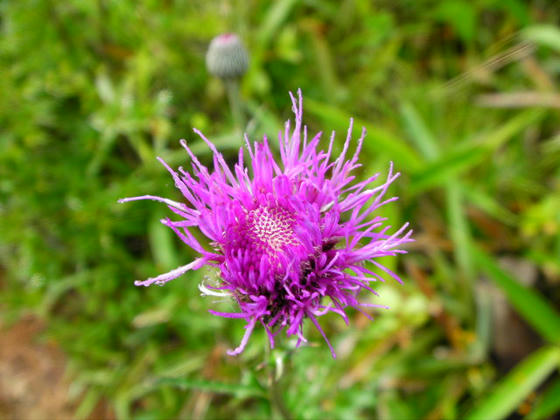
461, 95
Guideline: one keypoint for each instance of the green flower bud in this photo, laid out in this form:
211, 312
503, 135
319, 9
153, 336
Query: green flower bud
227, 58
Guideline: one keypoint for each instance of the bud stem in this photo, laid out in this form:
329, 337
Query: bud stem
232, 87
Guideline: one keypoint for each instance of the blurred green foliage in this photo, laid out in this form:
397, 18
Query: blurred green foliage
93, 91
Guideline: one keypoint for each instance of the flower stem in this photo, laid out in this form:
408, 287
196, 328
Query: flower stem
232, 87
275, 390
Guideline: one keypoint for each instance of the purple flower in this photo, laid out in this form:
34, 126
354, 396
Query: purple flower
290, 239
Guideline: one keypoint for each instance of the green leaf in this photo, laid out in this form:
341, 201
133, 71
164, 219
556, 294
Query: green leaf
161, 242
57, 289
419, 132
460, 234
460, 15
239, 390
438, 172
548, 404
274, 18
87, 404
378, 140
466, 156
485, 202
441, 172
505, 132
514, 388
324, 64
529, 303
547, 35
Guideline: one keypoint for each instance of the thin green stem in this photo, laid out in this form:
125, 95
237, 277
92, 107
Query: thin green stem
274, 388
232, 87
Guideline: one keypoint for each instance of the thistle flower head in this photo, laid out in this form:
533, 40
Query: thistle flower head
226, 57
292, 239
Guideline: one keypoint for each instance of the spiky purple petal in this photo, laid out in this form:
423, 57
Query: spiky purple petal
291, 238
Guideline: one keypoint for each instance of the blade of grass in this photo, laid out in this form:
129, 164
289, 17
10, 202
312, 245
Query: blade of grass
161, 242
421, 135
465, 157
399, 364
87, 404
211, 386
547, 35
378, 140
450, 164
509, 129
419, 132
459, 232
481, 345
514, 388
548, 404
272, 21
487, 203
533, 307
324, 60
62, 286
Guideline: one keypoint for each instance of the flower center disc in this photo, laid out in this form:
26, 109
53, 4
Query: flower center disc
271, 228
